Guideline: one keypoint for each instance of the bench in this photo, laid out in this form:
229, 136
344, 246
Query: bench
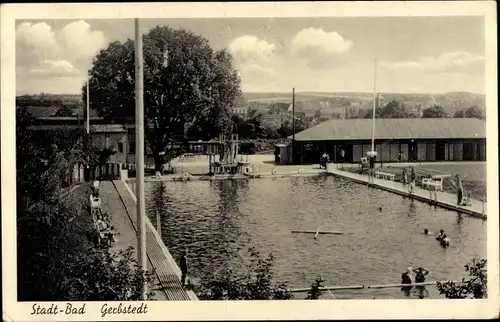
385, 175
429, 183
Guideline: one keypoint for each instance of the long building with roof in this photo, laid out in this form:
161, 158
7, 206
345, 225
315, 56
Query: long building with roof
415, 139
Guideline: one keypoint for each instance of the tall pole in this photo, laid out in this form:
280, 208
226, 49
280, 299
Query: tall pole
293, 125
139, 155
88, 106
374, 104
281, 119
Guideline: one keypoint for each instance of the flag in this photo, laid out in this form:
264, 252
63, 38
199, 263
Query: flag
290, 108
165, 56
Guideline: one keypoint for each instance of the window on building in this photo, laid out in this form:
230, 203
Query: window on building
120, 147
131, 147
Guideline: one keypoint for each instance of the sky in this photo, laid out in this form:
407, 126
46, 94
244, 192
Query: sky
334, 54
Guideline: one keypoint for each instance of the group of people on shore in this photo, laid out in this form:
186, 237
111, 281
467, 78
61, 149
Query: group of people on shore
106, 231
410, 183
462, 199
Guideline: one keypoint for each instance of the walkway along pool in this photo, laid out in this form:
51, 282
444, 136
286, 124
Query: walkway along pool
217, 221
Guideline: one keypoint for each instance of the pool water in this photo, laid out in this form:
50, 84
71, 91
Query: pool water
217, 221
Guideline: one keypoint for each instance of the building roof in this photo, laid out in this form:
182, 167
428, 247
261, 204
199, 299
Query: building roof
42, 111
415, 128
107, 128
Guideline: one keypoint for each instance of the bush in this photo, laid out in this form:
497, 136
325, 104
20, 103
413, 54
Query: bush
315, 292
254, 283
102, 275
473, 287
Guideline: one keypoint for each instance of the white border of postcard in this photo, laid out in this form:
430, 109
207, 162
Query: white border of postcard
266, 310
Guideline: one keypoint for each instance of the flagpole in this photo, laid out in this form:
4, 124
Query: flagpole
139, 144
374, 104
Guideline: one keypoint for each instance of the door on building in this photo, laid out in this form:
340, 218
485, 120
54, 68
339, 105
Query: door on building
348, 153
440, 151
468, 153
412, 151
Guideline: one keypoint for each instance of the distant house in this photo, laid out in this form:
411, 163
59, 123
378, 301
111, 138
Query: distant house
241, 111
111, 136
420, 139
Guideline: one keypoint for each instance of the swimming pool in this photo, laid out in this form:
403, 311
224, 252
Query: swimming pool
217, 221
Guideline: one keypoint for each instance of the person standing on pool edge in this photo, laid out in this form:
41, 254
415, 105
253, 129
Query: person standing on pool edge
460, 190
371, 174
184, 268
412, 179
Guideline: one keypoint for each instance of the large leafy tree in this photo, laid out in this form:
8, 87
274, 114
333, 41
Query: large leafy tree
472, 112
193, 83
434, 111
395, 109
392, 110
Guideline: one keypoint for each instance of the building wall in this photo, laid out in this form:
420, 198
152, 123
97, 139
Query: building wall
388, 151
116, 141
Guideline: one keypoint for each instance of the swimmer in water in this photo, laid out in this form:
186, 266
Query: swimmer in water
427, 232
420, 274
406, 276
379, 208
445, 242
441, 235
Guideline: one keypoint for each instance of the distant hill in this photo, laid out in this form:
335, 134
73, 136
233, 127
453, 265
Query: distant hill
451, 102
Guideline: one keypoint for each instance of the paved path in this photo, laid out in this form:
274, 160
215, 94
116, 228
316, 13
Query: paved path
111, 203
444, 199
164, 265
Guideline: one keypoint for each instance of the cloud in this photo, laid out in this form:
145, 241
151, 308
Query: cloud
251, 48
250, 70
44, 52
318, 46
255, 76
448, 63
54, 68
80, 40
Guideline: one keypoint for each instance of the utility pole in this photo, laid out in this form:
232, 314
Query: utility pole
281, 117
293, 125
139, 154
88, 106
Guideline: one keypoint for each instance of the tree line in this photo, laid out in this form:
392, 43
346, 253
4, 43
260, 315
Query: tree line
396, 109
